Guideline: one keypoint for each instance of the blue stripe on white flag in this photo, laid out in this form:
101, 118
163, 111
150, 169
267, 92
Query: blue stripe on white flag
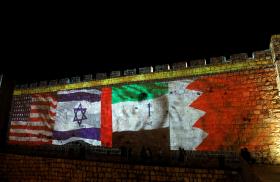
89, 133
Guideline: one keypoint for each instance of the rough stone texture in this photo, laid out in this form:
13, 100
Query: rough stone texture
33, 85
145, 70
43, 83
26, 168
76, 79
264, 54
217, 60
100, 76
253, 96
179, 65
87, 77
64, 81
243, 110
53, 82
197, 62
238, 57
164, 67
275, 49
129, 72
114, 74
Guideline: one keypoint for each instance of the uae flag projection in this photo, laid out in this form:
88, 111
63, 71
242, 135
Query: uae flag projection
152, 113
148, 112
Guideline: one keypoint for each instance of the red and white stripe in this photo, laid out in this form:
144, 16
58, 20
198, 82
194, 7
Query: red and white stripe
38, 129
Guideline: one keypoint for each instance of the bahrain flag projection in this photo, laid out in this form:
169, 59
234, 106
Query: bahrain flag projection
231, 102
110, 116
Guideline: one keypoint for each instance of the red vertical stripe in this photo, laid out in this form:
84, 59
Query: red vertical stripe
106, 117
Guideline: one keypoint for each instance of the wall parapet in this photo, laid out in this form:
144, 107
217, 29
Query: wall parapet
170, 74
187, 66
268, 54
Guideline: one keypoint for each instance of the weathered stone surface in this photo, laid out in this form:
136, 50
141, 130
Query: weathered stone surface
114, 74
64, 81
28, 168
33, 85
145, 70
129, 72
76, 79
24, 86
217, 60
197, 62
100, 76
238, 57
179, 65
88, 77
163, 67
43, 83
264, 54
53, 82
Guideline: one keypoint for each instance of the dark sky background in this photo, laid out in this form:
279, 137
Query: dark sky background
43, 49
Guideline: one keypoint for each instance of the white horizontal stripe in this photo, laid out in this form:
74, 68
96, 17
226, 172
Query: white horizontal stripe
65, 115
36, 132
42, 107
91, 91
32, 139
27, 123
44, 99
41, 115
89, 141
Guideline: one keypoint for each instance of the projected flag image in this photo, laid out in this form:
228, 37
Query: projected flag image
78, 117
159, 112
152, 110
32, 119
224, 106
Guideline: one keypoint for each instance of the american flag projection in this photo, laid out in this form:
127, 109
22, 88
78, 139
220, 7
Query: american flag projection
33, 119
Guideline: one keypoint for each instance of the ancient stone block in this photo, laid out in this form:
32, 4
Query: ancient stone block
53, 82
129, 72
164, 67
100, 76
43, 83
33, 85
217, 60
76, 79
24, 86
179, 65
145, 70
64, 81
87, 77
238, 57
197, 62
264, 54
114, 74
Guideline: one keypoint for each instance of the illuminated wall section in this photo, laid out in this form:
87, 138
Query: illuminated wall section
211, 108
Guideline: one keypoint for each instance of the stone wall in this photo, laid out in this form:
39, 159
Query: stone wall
242, 110
26, 168
240, 97
275, 48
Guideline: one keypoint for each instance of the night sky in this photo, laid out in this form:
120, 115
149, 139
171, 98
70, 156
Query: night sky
45, 50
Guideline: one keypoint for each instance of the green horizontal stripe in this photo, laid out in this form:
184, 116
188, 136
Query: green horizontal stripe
139, 92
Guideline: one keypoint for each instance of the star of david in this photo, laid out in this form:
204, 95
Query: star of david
82, 117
